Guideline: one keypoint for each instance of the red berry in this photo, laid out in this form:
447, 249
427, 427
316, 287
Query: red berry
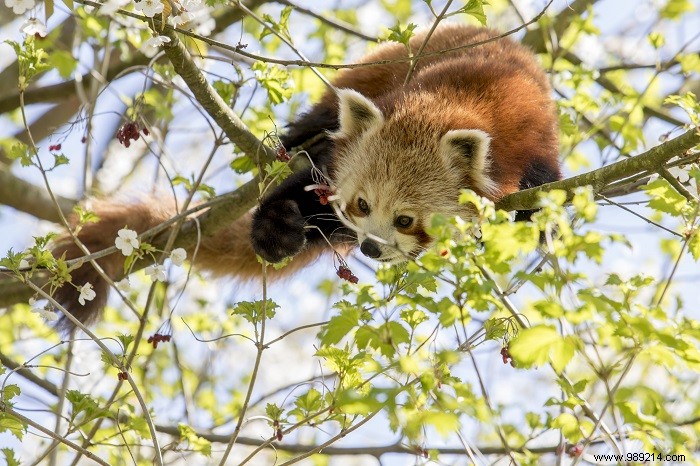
282, 154
127, 132
279, 435
575, 450
145, 131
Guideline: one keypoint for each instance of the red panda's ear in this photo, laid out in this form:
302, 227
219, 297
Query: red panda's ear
357, 113
468, 149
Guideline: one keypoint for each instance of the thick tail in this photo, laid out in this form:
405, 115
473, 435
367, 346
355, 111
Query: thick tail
228, 252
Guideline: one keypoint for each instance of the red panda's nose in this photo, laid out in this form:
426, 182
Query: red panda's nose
370, 249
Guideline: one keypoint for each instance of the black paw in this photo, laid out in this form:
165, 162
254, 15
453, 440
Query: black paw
278, 230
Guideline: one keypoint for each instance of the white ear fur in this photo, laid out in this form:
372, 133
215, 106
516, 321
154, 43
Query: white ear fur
357, 113
469, 148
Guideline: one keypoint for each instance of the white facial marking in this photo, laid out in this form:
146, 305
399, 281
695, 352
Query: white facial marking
357, 113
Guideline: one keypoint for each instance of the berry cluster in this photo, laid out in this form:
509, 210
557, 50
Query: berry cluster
282, 154
128, 132
345, 273
575, 451
158, 338
55, 147
122, 376
278, 430
323, 192
507, 358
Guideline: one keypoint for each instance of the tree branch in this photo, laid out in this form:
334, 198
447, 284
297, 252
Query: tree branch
24, 196
29, 375
61, 91
650, 160
212, 102
339, 451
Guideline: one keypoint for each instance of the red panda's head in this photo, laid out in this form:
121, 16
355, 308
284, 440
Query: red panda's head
393, 172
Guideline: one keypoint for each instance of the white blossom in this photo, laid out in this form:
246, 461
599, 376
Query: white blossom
33, 27
86, 293
183, 18
150, 47
156, 272
192, 5
178, 256
206, 25
126, 241
43, 311
124, 285
24, 264
111, 6
150, 8
19, 6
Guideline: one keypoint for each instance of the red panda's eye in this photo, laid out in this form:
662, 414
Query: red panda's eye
362, 204
403, 221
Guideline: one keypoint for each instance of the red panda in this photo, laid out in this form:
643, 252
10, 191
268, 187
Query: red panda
395, 153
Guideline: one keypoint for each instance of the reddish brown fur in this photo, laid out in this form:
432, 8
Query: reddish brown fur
228, 252
527, 112
523, 126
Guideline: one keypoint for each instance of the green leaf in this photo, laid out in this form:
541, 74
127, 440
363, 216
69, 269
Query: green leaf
445, 423
32, 60
569, 426
275, 80
675, 9
353, 402
125, 340
656, 39
9, 423
252, 311
10, 459
340, 325
310, 402
273, 411
84, 404
538, 345
64, 62
278, 169
20, 151
664, 198
242, 164
694, 244
59, 159
384, 338
413, 317
195, 442
225, 89
401, 35
475, 8
690, 63
9, 392
278, 25
85, 216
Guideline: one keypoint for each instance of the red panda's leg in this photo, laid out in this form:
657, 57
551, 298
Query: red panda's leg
290, 219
